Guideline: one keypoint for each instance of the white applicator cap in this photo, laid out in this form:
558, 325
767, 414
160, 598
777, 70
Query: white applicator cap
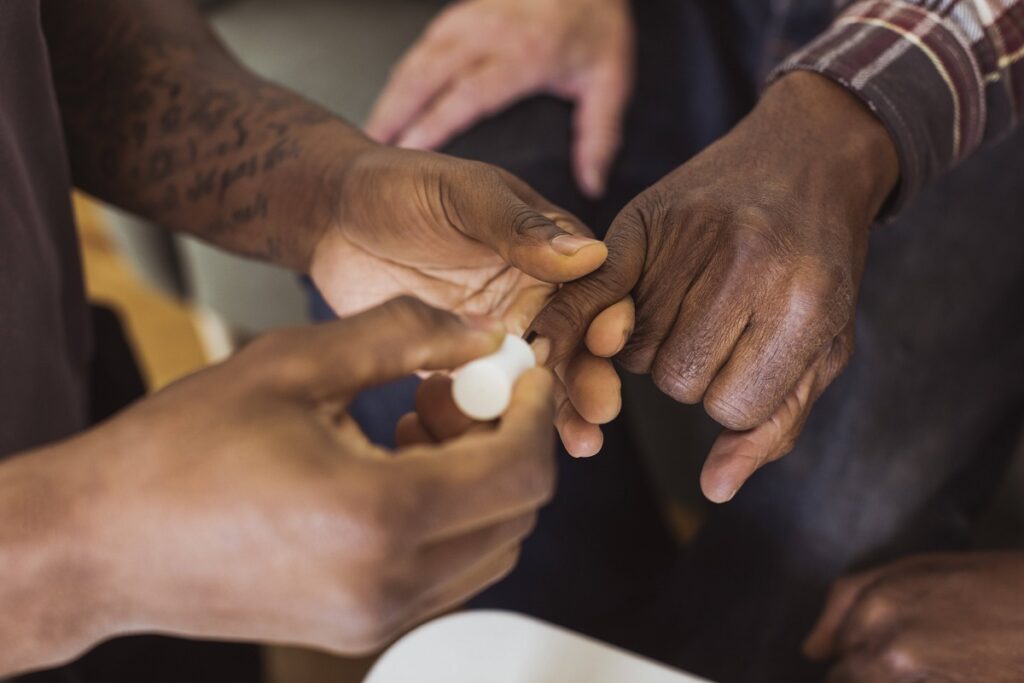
482, 389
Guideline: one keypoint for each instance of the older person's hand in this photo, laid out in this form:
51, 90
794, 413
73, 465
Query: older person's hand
479, 56
948, 618
745, 265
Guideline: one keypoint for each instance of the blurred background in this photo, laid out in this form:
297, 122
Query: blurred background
186, 304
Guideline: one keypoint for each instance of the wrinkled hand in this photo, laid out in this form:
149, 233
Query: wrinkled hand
470, 238
745, 265
247, 504
480, 56
948, 618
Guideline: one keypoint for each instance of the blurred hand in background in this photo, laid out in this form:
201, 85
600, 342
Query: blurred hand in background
954, 618
480, 56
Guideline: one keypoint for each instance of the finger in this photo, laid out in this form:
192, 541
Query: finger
425, 71
581, 439
777, 349
598, 128
485, 477
437, 411
823, 641
711, 319
594, 388
568, 316
735, 456
527, 302
611, 329
473, 95
764, 368
402, 336
528, 232
410, 432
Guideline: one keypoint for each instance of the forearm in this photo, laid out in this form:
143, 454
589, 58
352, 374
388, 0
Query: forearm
161, 120
51, 582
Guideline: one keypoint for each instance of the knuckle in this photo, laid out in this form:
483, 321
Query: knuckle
821, 297
733, 410
902, 658
874, 613
645, 213
526, 222
680, 377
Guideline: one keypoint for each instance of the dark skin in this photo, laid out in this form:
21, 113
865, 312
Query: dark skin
244, 503
332, 542
928, 619
162, 120
745, 264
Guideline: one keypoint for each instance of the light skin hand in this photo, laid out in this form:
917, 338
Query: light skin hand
745, 264
949, 618
480, 56
243, 503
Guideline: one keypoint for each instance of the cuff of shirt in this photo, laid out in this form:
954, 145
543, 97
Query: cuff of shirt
916, 72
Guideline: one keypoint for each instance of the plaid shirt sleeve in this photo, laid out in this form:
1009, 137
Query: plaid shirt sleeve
944, 76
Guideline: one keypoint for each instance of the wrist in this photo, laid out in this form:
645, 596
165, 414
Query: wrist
55, 583
312, 197
837, 132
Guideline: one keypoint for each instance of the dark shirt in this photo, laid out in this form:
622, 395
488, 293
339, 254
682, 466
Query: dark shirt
44, 336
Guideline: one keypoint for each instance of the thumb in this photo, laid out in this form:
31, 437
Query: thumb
390, 341
568, 316
527, 231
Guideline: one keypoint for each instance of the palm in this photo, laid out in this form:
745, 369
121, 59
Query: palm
455, 274
418, 236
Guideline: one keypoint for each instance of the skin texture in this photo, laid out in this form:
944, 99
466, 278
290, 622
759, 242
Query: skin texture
243, 502
744, 264
480, 56
939, 618
160, 119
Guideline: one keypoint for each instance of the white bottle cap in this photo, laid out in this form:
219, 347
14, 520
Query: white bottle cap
482, 389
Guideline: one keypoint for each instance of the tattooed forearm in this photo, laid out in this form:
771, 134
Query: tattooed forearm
160, 119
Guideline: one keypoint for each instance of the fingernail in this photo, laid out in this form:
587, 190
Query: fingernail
541, 347
570, 245
483, 323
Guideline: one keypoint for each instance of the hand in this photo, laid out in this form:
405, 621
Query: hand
244, 503
949, 618
745, 265
470, 238
480, 56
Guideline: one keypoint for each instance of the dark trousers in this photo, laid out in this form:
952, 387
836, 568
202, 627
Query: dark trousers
899, 453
